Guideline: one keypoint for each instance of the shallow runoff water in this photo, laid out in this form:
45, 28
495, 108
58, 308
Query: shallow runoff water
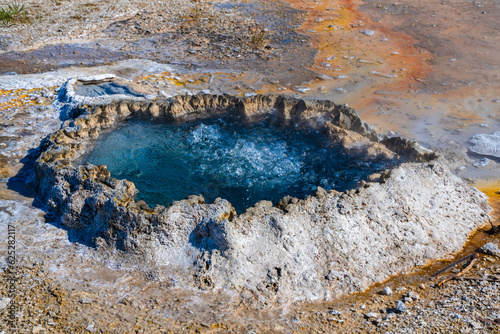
224, 158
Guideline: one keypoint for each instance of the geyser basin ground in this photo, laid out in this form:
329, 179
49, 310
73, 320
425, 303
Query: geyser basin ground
224, 157
324, 246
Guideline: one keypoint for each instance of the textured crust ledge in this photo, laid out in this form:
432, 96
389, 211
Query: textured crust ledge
317, 248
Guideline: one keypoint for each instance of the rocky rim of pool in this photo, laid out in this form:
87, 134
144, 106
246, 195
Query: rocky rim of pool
318, 248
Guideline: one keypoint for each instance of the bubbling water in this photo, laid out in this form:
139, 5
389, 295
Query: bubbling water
225, 158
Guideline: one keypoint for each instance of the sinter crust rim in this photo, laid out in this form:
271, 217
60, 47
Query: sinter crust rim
61, 149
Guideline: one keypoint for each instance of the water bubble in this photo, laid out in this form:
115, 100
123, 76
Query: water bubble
223, 158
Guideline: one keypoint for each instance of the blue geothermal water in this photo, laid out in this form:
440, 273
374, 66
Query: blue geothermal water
225, 158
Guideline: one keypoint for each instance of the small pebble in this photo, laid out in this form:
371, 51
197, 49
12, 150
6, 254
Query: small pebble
400, 307
335, 312
301, 89
324, 77
90, 328
368, 32
387, 291
413, 295
490, 249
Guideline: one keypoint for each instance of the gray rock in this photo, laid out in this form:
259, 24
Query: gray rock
400, 307
90, 328
368, 32
490, 249
413, 295
387, 291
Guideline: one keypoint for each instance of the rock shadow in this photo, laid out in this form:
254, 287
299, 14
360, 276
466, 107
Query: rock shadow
24, 184
210, 235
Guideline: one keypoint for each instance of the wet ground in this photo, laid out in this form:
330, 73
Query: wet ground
426, 70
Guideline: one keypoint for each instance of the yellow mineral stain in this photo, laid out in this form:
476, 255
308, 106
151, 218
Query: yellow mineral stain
492, 189
20, 98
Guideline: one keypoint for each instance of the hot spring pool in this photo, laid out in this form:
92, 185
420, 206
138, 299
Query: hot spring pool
224, 158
